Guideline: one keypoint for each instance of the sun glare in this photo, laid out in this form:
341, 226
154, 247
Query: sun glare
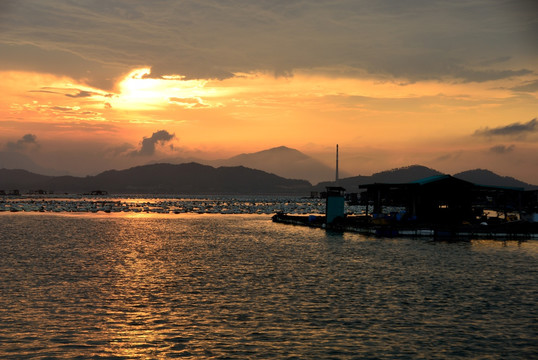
138, 91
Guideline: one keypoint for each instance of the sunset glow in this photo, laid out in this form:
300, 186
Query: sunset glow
389, 111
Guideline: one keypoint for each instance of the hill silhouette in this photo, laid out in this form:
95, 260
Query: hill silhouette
486, 177
194, 178
283, 161
21, 179
417, 172
394, 176
191, 178
16, 160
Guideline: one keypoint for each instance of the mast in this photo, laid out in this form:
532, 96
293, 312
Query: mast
336, 178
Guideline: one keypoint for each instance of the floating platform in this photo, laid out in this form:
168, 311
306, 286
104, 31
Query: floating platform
515, 230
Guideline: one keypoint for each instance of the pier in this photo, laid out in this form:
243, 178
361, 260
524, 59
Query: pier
516, 230
439, 206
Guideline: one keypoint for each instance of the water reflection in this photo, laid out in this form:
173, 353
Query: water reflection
484, 244
142, 301
244, 287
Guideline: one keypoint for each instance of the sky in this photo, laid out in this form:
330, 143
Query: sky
93, 85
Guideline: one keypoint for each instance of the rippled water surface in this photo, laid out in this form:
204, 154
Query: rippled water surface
240, 286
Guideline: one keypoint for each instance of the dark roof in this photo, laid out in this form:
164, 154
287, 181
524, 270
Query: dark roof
431, 179
435, 178
419, 182
335, 188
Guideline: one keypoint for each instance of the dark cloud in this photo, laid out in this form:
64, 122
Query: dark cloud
531, 86
421, 39
502, 149
500, 59
119, 150
72, 93
28, 141
22, 57
46, 91
80, 94
160, 137
426, 65
94, 127
471, 75
515, 129
448, 157
63, 108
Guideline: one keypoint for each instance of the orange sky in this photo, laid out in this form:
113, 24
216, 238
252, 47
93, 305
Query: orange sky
93, 113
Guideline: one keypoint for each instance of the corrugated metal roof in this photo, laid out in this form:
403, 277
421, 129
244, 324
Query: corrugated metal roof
430, 179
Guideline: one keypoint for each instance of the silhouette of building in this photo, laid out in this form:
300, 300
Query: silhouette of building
446, 199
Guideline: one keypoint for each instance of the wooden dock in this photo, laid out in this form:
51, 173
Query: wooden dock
516, 230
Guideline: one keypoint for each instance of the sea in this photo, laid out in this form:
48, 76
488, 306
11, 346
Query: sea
238, 286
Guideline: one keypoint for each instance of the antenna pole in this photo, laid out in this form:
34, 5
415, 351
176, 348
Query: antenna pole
336, 178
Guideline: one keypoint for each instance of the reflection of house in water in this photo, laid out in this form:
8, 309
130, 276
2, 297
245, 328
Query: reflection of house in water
443, 199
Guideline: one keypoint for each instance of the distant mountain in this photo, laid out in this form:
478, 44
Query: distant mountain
16, 160
394, 176
191, 178
486, 177
21, 179
194, 178
178, 160
405, 174
282, 161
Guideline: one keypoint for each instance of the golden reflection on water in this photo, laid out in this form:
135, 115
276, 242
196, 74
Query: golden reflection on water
143, 285
150, 306
511, 245
133, 312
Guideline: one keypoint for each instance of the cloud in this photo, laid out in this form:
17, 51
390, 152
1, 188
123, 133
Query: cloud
28, 141
515, 129
160, 137
69, 92
81, 94
119, 149
500, 59
45, 91
448, 157
190, 103
420, 39
59, 60
529, 86
471, 75
65, 108
502, 149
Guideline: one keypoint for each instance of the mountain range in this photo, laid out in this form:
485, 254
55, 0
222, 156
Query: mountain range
282, 161
266, 172
193, 178
417, 172
16, 160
